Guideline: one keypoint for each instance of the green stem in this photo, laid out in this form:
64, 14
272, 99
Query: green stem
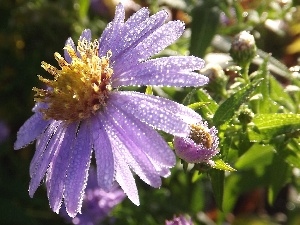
245, 72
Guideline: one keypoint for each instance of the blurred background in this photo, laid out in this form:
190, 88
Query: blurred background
31, 31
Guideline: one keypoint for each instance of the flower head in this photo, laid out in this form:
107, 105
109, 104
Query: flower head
97, 203
199, 146
243, 48
84, 111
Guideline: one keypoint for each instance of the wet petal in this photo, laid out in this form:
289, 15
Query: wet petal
136, 19
161, 113
56, 174
123, 58
169, 71
201, 145
66, 54
125, 178
189, 151
174, 79
129, 32
86, 34
103, 153
110, 38
30, 130
136, 159
45, 149
77, 172
158, 40
153, 145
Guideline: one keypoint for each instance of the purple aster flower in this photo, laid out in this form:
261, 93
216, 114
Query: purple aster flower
199, 146
84, 111
181, 220
97, 203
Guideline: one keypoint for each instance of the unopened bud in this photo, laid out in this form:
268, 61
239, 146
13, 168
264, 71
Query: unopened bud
243, 48
245, 115
200, 146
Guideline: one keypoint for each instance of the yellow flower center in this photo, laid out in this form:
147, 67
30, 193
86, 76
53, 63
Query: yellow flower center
200, 135
79, 88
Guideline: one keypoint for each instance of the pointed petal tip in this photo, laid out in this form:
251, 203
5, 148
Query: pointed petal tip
31, 191
18, 146
72, 214
69, 41
135, 201
86, 34
56, 207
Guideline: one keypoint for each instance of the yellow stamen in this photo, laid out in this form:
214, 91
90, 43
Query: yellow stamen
79, 88
200, 135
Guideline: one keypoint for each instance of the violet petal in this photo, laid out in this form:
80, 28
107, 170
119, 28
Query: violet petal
78, 170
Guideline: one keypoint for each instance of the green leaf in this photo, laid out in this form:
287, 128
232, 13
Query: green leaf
196, 176
197, 198
275, 65
198, 105
208, 110
270, 125
279, 173
221, 165
217, 182
228, 108
264, 104
279, 95
189, 98
293, 160
205, 21
257, 155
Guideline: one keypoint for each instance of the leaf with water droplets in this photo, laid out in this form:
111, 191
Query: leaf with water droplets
221, 165
271, 125
228, 108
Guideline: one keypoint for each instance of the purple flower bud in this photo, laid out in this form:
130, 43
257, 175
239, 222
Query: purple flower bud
200, 146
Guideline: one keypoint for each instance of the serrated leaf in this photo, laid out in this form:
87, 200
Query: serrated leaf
271, 125
257, 155
228, 108
221, 165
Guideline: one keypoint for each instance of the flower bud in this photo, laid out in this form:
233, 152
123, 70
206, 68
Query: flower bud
245, 115
200, 146
243, 48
